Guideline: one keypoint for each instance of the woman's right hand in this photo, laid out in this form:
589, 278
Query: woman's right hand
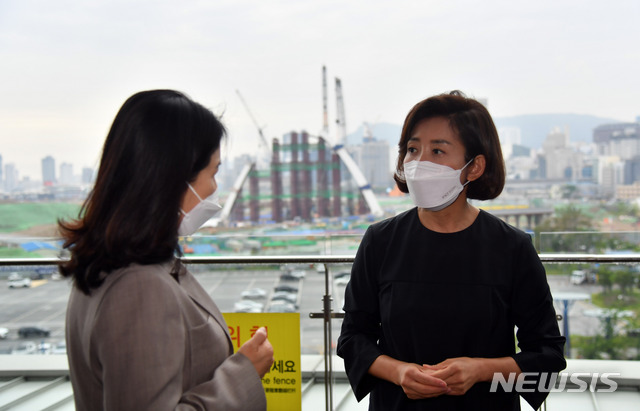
259, 350
417, 382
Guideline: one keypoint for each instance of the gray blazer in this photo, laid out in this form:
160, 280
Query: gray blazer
145, 340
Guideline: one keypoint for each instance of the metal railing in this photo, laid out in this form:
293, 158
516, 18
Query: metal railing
326, 313
342, 259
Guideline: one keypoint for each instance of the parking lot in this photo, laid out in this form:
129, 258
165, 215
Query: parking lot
44, 303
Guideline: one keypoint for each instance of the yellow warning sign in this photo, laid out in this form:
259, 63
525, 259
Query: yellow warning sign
283, 383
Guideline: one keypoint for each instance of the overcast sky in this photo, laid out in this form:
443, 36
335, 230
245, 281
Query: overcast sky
66, 67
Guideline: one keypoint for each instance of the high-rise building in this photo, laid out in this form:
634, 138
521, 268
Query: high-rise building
372, 156
632, 171
48, 171
620, 139
11, 177
87, 175
509, 138
562, 161
510, 135
66, 174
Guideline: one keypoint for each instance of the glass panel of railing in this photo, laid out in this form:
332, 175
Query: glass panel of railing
598, 302
36, 296
591, 242
33, 302
600, 305
297, 287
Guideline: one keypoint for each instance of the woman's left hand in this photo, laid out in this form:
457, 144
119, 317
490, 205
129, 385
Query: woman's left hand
459, 373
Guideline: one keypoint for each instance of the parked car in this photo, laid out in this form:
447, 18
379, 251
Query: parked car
288, 277
581, 277
248, 306
254, 293
286, 287
18, 281
281, 307
299, 273
26, 332
292, 275
59, 348
285, 296
4, 332
28, 347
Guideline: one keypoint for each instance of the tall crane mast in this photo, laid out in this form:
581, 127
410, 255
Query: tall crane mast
339, 148
325, 107
340, 116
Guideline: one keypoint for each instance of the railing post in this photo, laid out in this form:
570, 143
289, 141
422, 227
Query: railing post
328, 369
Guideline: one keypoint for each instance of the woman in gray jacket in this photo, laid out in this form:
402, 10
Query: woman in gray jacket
141, 332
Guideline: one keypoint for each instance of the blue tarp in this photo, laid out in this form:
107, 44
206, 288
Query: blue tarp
37, 245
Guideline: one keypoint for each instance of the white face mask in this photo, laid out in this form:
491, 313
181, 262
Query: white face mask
433, 186
199, 215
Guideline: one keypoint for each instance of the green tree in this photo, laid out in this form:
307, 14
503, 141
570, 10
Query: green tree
605, 345
624, 277
572, 218
569, 192
567, 219
623, 208
605, 278
632, 330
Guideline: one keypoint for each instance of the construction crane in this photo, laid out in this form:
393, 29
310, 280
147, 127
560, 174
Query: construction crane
263, 139
244, 173
235, 192
341, 120
339, 148
325, 110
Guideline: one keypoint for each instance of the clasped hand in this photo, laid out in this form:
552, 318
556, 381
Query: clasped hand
452, 377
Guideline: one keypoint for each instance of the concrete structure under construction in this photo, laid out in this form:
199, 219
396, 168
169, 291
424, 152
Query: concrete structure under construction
302, 181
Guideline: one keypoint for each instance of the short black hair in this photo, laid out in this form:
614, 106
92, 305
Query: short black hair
471, 121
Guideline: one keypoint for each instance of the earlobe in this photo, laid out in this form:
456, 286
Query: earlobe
477, 168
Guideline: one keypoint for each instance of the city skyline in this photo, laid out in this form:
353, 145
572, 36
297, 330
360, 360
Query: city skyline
68, 70
53, 172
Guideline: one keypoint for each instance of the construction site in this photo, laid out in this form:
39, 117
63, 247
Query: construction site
301, 178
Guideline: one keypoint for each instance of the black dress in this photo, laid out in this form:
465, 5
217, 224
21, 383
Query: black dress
420, 296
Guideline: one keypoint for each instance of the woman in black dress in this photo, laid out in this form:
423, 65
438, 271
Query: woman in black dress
437, 291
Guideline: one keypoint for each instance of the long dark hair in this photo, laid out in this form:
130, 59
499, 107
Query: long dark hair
473, 124
159, 141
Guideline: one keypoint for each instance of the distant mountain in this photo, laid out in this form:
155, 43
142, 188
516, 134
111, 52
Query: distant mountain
534, 128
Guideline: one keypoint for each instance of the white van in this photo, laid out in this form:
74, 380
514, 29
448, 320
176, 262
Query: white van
578, 277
